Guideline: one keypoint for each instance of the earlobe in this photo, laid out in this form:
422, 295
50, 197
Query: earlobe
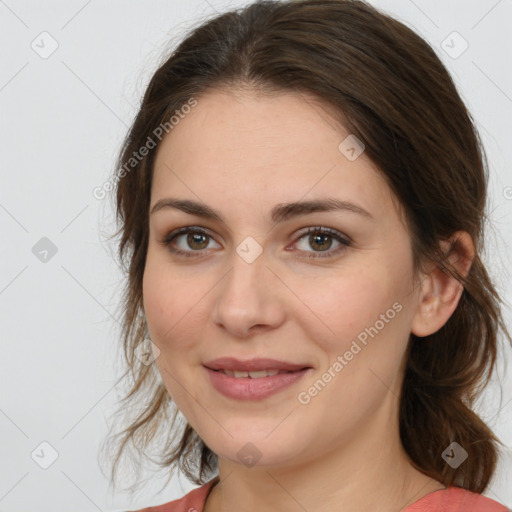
439, 291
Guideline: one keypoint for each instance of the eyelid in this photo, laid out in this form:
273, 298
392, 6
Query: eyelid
172, 235
323, 230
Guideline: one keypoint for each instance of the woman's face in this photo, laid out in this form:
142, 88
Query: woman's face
259, 286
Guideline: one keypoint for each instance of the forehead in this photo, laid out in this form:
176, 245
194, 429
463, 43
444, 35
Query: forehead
276, 147
268, 126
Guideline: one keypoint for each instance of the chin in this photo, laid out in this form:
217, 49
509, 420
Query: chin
258, 447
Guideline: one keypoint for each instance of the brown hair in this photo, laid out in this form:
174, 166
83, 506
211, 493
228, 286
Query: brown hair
391, 90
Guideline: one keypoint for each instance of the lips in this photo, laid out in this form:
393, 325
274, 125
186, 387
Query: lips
232, 364
241, 387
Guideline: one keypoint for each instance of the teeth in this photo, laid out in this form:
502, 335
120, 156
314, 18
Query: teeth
253, 375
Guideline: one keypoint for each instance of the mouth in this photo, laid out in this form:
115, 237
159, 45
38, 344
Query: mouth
255, 368
253, 379
255, 374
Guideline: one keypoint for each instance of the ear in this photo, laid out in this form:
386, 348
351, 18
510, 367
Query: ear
439, 292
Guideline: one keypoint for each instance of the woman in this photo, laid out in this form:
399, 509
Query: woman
301, 199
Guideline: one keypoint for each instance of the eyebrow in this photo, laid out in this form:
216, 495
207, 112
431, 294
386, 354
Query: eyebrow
280, 212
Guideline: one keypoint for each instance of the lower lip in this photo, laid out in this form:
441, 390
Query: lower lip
253, 389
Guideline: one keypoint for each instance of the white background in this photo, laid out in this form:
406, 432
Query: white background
62, 122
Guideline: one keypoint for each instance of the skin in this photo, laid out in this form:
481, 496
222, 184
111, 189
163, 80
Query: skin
242, 154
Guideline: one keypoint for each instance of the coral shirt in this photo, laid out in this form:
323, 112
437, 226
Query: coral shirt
452, 499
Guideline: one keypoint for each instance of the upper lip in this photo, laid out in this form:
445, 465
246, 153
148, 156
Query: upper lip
233, 364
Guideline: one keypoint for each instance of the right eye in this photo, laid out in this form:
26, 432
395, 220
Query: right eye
196, 239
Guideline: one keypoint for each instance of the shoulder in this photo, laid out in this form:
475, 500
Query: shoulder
192, 502
456, 499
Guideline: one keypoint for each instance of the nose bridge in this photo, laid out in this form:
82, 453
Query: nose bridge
246, 297
247, 274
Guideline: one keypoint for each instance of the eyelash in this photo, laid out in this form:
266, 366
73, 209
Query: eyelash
344, 241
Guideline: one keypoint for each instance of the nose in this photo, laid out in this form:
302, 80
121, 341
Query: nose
250, 297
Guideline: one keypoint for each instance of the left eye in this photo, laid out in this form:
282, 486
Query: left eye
322, 239
319, 238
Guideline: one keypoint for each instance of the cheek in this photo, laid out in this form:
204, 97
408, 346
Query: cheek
176, 310
155, 300
167, 300
172, 320
345, 303
360, 313
363, 334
